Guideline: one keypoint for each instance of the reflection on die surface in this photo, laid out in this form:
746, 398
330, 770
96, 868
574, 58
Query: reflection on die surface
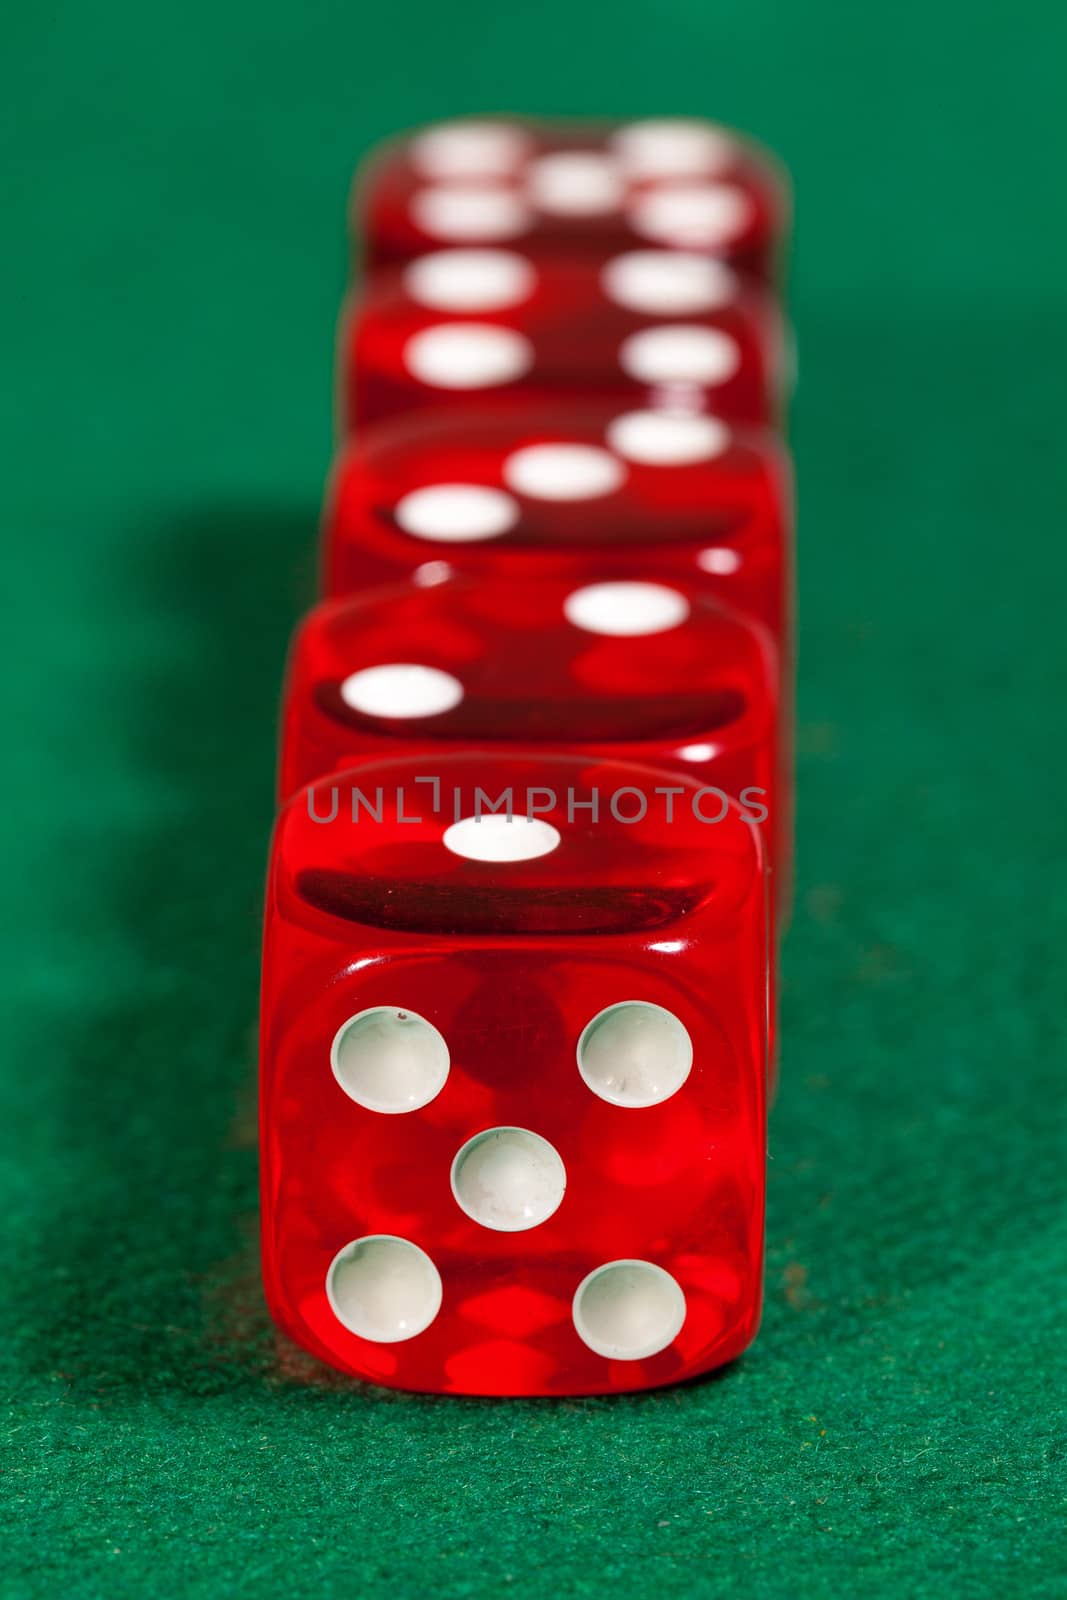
678, 183
458, 327
513, 1075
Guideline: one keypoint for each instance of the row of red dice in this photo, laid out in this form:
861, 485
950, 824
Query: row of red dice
535, 788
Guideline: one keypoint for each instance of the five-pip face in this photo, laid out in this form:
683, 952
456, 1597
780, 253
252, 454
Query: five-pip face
513, 1075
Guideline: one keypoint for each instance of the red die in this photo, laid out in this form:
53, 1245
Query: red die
673, 498
558, 189
584, 492
634, 671
460, 327
513, 1076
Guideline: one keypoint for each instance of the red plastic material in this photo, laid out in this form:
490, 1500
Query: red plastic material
502, 972
677, 183
480, 662
459, 328
704, 504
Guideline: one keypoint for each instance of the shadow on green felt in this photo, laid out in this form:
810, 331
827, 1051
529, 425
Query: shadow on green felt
157, 1096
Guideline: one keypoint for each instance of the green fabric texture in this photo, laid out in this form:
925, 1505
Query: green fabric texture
174, 187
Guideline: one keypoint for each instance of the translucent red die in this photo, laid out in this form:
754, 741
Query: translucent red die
458, 327
513, 1075
556, 189
582, 491
633, 671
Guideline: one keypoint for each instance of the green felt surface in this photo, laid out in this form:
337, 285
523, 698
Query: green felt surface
173, 190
